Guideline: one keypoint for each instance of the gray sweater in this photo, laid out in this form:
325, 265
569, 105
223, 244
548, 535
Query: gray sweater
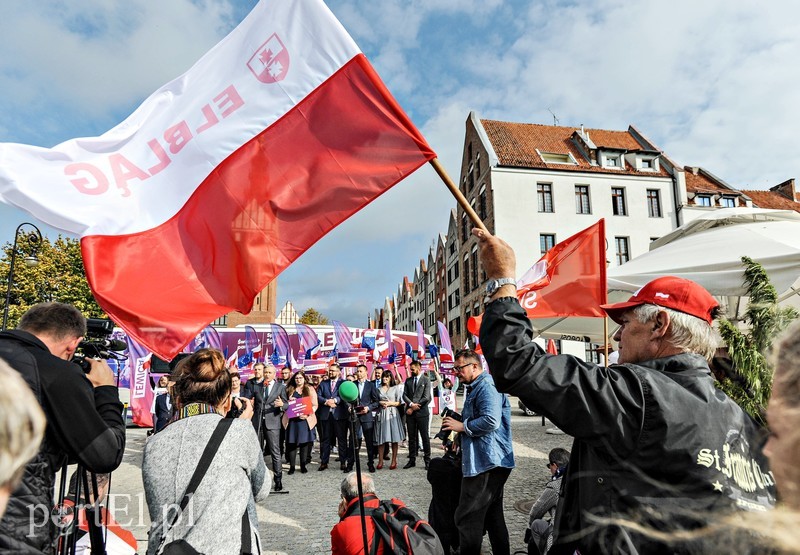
236, 479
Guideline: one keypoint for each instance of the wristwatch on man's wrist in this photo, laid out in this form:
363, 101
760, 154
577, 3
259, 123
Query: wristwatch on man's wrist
493, 285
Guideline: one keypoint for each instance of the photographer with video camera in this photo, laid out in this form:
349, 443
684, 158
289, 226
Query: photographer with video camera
83, 411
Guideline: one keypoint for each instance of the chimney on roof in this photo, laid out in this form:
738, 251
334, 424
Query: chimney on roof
787, 189
695, 170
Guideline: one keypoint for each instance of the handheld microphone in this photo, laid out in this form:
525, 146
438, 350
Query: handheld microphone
348, 391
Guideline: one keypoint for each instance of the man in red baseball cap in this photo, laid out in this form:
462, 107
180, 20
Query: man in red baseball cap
668, 316
654, 441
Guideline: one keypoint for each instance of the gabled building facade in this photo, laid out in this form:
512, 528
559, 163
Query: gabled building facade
536, 185
453, 286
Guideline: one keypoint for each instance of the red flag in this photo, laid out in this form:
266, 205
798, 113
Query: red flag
224, 176
551, 347
570, 279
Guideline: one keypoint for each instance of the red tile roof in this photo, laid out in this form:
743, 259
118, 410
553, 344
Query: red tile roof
613, 139
516, 145
701, 183
771, 199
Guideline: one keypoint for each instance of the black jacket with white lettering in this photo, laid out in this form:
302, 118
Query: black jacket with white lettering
84, 424
654, 442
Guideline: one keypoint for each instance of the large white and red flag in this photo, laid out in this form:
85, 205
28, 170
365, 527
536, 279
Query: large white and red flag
224, 176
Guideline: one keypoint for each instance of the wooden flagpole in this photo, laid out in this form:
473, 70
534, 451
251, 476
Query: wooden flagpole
460, 198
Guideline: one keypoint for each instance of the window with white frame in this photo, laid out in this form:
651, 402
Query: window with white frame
557, 158
465, 273
612, 161
546, 242
618, 201
592, 352
728, 202
582, 205
654, 203
623, 250
702, 200
545, 193
475, 267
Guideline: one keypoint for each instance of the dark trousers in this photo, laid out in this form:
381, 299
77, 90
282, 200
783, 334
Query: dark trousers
345, 446
368, 433
418, 425
327, 435
291, 454
480, 508
272, 447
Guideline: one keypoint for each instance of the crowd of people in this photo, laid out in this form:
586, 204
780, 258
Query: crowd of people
661, 461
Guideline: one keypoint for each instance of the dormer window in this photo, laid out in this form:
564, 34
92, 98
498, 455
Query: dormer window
647, 164
613, 161
557, 158
728, 202
702, 200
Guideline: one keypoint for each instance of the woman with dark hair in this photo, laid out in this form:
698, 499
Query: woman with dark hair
389, 428
300, 428
236, 477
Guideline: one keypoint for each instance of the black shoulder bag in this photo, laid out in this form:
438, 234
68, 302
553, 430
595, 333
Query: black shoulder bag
182, 547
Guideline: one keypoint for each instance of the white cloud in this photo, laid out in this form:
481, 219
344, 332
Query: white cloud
713, 83
97, 60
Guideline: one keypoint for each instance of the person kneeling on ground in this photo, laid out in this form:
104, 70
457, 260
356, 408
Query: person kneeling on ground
346, 536
539, 535
389, 526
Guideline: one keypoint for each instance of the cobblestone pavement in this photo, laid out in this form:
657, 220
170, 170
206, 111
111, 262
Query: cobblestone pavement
299, 522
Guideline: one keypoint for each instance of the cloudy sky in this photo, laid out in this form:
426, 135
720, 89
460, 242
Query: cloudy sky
712, 83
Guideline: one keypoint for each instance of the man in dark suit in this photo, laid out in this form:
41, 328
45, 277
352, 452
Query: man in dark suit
163, 409
328, 396
417, 397
269, 404
377, 373
369, 399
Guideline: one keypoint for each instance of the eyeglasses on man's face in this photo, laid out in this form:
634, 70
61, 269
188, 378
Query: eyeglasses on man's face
460, 368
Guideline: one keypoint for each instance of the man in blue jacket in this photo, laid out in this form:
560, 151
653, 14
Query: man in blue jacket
486, 458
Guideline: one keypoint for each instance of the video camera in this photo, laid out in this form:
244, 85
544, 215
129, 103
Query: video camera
98, 344
451, 441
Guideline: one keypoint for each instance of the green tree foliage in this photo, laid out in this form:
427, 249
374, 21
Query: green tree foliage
311, 316
751, 384
58, 277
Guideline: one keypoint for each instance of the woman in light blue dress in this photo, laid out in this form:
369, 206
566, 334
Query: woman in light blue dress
389, 427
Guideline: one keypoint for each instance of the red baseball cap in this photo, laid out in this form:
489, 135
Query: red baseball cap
672, 292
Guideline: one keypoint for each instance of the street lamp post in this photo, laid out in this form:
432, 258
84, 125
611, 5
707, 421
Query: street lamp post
30, 261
